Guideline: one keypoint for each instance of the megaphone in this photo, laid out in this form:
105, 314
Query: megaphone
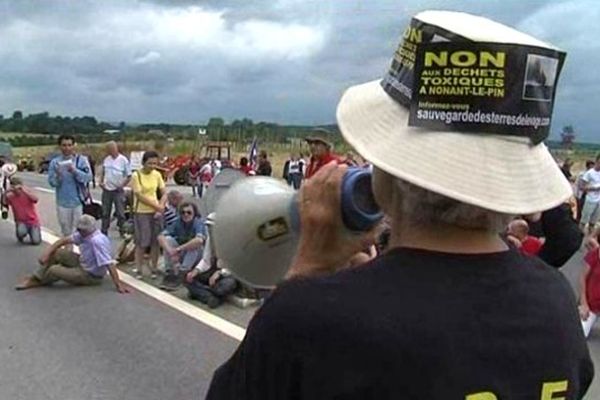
257, 224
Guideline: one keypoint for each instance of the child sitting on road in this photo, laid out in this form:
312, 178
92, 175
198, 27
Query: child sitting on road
518, 234
23, 201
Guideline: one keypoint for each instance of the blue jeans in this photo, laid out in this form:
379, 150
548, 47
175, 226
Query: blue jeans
188, 259
34, 232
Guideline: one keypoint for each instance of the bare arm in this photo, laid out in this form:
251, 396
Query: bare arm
114, 275
102, 175
49, 252
193, 244
583, 285
127, 181
147, 200
29, 194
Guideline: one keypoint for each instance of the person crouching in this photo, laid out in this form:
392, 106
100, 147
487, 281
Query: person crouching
23, 202
182, 242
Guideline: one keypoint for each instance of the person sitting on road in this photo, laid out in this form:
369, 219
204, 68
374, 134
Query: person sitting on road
86, 269
171, 213
207, 283
518, 235
23, 202
182, 242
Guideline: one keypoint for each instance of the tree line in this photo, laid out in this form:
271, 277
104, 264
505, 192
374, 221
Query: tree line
88, 128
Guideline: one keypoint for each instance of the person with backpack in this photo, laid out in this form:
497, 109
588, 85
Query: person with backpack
68, 174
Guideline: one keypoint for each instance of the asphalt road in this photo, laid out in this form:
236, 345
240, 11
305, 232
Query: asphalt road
92, 343
72, 343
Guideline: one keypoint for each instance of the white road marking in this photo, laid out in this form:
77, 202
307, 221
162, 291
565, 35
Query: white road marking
41, 189
232, 330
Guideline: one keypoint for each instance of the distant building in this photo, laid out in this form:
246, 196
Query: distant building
111, 131
156, 132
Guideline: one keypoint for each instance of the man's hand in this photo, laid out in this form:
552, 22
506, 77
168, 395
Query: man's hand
591, 243
584, 312
123, 289
102, 185
325, 244
71, 167
189, 277
213, 278
515, 241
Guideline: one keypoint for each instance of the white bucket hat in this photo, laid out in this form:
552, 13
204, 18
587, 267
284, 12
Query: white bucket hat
501, 168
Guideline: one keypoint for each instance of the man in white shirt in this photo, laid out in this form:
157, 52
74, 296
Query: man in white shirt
591, 208
116, 174
579, 188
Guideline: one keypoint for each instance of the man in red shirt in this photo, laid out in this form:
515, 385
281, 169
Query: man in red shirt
320, 150
22, 201
589, 302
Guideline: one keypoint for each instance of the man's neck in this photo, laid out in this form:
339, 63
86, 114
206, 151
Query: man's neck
447, 239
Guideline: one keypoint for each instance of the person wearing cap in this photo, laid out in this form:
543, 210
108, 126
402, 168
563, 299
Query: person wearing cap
449, 311
23, 202
85, 269
320, 153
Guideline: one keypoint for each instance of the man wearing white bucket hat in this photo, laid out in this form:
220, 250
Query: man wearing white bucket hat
454, 132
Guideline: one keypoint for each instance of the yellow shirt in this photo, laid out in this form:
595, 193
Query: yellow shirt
146, 184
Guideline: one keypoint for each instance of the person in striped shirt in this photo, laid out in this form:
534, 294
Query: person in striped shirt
170, 215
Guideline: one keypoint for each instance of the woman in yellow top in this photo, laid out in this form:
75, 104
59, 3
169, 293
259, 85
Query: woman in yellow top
149, 203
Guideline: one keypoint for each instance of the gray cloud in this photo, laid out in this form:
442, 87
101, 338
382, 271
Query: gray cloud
285, 61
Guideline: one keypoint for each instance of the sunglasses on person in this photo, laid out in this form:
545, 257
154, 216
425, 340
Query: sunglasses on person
187, 212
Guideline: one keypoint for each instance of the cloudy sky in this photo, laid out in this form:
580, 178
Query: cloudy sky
286, 61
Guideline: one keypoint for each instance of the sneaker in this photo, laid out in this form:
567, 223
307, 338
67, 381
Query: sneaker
139, 276
170, 282
213, 301
153, 276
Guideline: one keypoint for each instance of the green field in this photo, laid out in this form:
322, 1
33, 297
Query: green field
8, 135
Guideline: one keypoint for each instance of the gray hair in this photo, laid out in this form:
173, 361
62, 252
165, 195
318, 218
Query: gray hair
172, 194
86, 223
418, 206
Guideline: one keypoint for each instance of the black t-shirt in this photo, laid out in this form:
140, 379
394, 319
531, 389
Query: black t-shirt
415, 324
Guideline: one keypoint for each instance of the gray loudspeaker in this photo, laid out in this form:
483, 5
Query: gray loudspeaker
253, 231
218, 186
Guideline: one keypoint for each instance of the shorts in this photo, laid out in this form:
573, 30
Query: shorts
590, 213
146, 230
